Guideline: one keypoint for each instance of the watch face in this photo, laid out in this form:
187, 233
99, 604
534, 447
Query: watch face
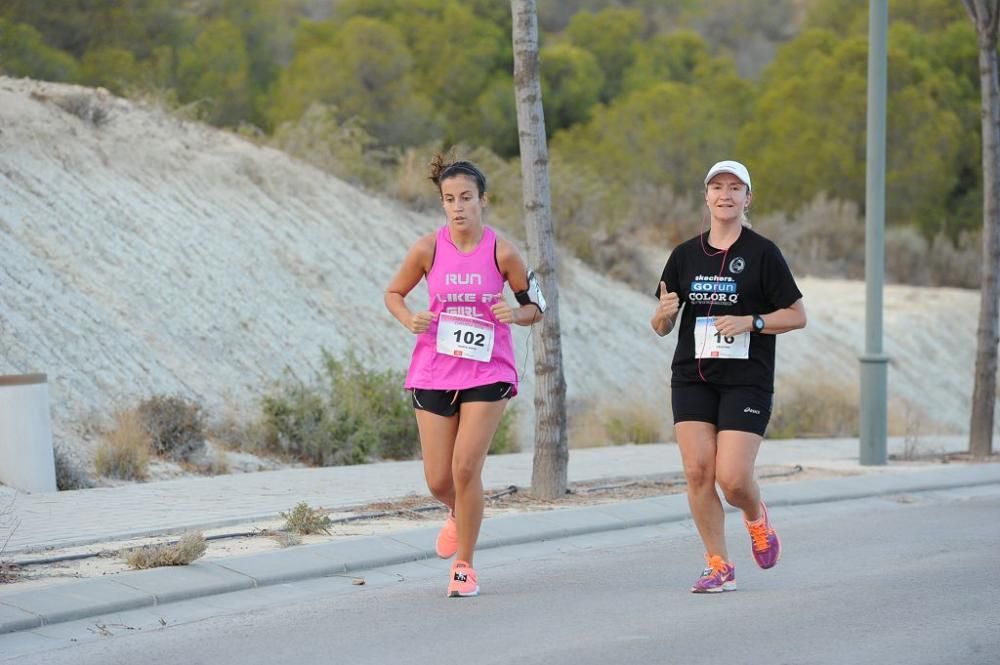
758, 323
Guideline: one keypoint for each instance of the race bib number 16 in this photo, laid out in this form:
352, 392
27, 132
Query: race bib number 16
465, 337
710, 343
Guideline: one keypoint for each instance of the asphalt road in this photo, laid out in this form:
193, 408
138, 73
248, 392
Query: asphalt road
907, 580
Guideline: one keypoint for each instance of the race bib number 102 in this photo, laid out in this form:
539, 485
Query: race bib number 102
465, 337
710, 343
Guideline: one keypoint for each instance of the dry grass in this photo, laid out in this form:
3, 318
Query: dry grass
303, 520
615, 424
124, 452
189, 548
818, 408
285, 539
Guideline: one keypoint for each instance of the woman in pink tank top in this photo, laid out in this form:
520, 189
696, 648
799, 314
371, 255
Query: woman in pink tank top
462, 371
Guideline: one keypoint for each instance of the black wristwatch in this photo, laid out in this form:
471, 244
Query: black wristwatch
758, 323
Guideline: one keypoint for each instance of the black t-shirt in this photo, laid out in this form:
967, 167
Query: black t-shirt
751, 277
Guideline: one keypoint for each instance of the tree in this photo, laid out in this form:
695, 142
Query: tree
817, 87
985, 14
215, 69
23, 52
571, 83
549, 473
362, 68
611, 35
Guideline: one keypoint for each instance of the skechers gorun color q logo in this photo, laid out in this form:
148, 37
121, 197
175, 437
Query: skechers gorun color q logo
753, 411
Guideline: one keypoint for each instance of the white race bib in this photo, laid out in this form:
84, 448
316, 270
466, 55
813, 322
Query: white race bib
710, 343
465, 337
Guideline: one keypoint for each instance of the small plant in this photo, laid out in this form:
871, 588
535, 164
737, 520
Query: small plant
303, 520
189, 548
124, 452
176, 425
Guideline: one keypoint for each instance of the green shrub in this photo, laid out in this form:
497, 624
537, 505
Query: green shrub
350, 415
175, 425
505, 440
303, 520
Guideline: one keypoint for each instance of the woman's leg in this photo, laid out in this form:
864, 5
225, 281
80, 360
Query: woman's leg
477, 422
734, 471
437, 445
697, 443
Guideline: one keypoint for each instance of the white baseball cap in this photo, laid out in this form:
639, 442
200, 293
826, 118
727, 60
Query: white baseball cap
729, 166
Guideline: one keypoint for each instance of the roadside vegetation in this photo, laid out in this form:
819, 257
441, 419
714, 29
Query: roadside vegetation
188, 549
367, 90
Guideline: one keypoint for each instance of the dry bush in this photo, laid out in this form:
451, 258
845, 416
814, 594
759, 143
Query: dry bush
344, 149
827, 239
303, 520
956, 263
8, 525
411, 184
125, 450
190, 547
819, 408
824, 239
9, 572
90, 107
70, 473
175, 425
285, 539
615, 424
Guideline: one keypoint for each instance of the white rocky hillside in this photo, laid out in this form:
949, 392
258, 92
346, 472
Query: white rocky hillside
142, 254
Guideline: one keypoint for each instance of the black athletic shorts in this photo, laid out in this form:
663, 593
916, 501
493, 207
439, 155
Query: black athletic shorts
446, 402
740, 408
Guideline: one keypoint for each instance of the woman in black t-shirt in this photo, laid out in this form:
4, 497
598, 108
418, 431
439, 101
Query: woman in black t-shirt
734, 292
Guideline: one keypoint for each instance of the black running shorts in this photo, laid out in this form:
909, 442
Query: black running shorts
740, 408
446, 402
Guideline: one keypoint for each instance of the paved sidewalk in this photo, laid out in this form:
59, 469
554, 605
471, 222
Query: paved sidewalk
81, 517
61, 519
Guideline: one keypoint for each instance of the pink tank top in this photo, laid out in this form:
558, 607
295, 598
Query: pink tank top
463, 284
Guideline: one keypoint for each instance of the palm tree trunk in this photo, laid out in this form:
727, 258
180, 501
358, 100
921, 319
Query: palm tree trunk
548, 478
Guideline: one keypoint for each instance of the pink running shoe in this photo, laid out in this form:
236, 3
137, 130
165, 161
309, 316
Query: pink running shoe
447, 539
719, 576
764, 540
464, 582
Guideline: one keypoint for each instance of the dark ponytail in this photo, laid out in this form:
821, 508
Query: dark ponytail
442, 169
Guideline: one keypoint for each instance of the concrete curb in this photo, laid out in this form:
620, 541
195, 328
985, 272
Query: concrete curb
79, 600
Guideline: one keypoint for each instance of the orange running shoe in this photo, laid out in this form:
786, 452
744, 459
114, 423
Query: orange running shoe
447, 540
720, 575
464, 582
764, 540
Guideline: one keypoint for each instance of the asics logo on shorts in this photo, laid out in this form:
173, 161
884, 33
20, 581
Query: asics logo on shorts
753, 411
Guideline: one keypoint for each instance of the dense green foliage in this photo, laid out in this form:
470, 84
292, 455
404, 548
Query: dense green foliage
640, 96
350, 414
